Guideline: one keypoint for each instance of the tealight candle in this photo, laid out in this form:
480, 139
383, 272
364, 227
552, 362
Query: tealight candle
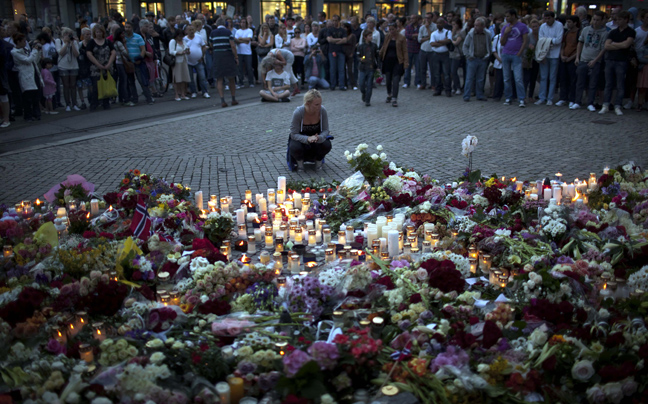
264, 257
330, 255
98, 331
7, 251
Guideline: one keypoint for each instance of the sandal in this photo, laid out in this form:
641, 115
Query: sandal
394, 103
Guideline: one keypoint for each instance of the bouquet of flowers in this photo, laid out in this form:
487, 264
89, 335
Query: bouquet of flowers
75, 187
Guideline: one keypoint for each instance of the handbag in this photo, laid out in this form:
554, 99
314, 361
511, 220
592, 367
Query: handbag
169, 59
450, 45
128, 66
262, 51
106, 87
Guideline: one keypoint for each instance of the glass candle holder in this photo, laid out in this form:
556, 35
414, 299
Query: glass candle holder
427, 246
485, 262
473, 265
473, 252
98, 331
329, 254
85, 352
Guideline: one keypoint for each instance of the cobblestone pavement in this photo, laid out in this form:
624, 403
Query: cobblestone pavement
226, 151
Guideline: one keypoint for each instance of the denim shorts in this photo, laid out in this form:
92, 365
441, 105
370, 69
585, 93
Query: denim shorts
84, 83
70, 72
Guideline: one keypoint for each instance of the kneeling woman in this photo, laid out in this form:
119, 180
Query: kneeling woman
309, 131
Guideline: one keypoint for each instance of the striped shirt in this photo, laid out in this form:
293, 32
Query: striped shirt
133, 44
220, 39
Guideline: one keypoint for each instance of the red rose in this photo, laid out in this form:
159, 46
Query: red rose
492, 334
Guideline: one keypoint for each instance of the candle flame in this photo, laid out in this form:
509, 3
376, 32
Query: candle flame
71, 326
38, 202
577, 196
98, 332
88, 215
60, 334
503, 179
282, 353
514, 179
605, 286
110, 208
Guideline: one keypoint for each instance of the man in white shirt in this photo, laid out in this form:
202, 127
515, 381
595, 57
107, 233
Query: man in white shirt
243, 38
439, 40
425, 56
552, 30
290, 29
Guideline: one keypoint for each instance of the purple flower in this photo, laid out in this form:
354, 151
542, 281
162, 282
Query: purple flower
565, 260
325, 354
246, 367
293, 362
453, 356
404, 325
55, 347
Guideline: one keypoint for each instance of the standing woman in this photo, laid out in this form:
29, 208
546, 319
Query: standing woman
68, 65
29, 76
298, 48
281, 39
83, 79
309, 131
122, 62
393, 54
349, 47
101, 54
311, 38
458, 36
531, 68
180, 68
265, 42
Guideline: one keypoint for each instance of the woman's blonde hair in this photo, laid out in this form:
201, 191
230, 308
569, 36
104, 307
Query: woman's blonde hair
311, 95
268, 62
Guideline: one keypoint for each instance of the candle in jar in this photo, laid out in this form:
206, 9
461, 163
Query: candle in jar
519, 185
223, 391
85, 352
240, 216
242, 231
271, 196
330, 254
342, 238
326, 235
269, 239
312, 238
251, 244
473, 265
263, 205
392, 243
258, 235
224, 205
61, 212
60, 334
281, 196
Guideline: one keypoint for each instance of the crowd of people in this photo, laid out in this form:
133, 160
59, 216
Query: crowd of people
587, 60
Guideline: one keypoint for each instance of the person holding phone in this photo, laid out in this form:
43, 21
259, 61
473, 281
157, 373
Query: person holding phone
68, 67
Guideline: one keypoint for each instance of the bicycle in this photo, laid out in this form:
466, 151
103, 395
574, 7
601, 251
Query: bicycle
162, 81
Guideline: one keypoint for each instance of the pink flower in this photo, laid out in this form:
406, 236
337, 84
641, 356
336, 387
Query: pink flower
55, 347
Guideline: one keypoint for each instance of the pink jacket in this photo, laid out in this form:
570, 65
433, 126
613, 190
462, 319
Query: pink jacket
49, 85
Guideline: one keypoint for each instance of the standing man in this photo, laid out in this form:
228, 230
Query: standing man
136, 52
225, 60
476, 48
589, 54
514, 41
581, 13
243, 39
553, 31
439, 40
617, 45
357, 31
413, 49
335, 37
425, 54
290, 29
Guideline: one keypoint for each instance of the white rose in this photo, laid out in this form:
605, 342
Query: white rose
595, 395
421, 274
383, 156
538, 337
347, 153
157, 357
349, 157
583, 370
613, 392
379, 148
356, 154
374, 156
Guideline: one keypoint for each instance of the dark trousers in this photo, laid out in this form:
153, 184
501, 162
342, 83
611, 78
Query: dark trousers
94, 96
615, 72
441, 64
309, 152
393, 80
16, 93
530, 78
413, 64
122, 84
425, 62
498, 89
31, 104
588, 78
568, 77
350, 78
298, 67
245, 68
366, 78
454, 74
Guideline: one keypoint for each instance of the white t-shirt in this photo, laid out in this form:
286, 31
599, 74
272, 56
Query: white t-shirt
68, 61
195, 45
278, 80
162, 22
244, 48
290, 33
438, 36
279, 42
497, 48
311, 39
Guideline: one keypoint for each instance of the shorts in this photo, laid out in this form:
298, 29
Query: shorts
49, 97
84, 83
70, 72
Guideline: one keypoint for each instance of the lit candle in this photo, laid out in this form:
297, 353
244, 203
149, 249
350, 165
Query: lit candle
558, 177
269, 238
7, 251
557, 194
61, 212
60, 335
486, 261
312, 238
546, 194
519, 185
281, 196
251, 247
342, 238
329, 254
473, 265
606, 170
198, 196
224, 205
297, 200
392, 243
264, 257
223, 391
473, 252
592, 181
271, 196
434, 239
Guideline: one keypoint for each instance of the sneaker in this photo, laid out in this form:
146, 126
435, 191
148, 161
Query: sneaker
46, 112
627, 105
185, 98
507, 102
618, 110
458, 92
194, 95
68, 109
418, 86
206, 95
355, 88
84, 106
560, 103
4, 124
549, 103
178, 99
53, 112
522, 104
251, 85
591, 108
367, 104
342, 88
405, 85
575, 106
539, 102
388, 100
76, 108
571, 104
604, 110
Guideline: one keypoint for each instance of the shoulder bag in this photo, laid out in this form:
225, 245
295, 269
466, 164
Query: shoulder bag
450, 45
170, 59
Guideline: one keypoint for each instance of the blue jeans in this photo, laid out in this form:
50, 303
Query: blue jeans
441, 65
365, 79
512, 64
199, 69
141, 73
209, 66
615, 72
122, 84
245, 68
314, 82
336, 64
425, 62
548, 71
568, 80
476, 74
588, 78
413, 64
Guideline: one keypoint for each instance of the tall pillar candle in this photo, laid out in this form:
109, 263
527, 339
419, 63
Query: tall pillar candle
281, 184
199, 200
372, 234
263, 204
383, 244
94, 207
392, 243
546, 194
557, 194
240, 216
297, 200
571, 191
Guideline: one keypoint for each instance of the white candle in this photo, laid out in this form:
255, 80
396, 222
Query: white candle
565, 189
342, 238
242, 232
281, 196
392, 243
318, 236
533, 197
380, 222
518, 185
312, 238
372, 234
281, 184
546, 194
199, 199
94, 207
263, 205
383, 243
557, 194
297, 199
271, 196
269, 241
571, 190
553, 201
240, 216
224, 207
250, 217
258, 234
350, 236
252, 244
61, 212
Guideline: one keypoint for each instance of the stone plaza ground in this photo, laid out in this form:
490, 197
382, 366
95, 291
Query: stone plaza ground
226, 151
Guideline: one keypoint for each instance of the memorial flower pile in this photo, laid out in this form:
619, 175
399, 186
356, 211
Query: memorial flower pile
389, 285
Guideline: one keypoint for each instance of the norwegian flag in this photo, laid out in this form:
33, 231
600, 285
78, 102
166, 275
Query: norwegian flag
141, 225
